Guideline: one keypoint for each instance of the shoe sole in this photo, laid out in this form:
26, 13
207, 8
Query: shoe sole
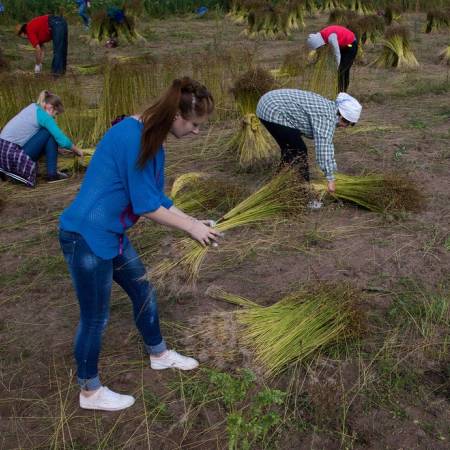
57, 181
106, 409
174, 367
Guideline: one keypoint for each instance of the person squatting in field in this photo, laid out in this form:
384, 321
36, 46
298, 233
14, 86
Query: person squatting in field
125, 181
289, 114
35, 132
44, 29
345, 47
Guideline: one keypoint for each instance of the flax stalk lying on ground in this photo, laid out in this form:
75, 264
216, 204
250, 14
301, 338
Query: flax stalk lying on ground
296, 326
285, 194
381, 193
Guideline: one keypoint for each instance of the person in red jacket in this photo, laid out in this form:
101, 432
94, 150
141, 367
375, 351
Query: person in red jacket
44, 29
345, 46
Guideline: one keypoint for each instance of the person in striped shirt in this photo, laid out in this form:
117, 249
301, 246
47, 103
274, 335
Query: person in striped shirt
345, 47
289, 114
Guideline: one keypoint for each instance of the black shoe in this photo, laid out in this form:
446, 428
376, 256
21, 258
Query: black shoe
59, 176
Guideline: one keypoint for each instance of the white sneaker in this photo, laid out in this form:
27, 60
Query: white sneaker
172, 359
106, 400
315, 204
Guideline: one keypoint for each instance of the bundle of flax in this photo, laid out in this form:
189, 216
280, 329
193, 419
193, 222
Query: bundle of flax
381, 193
444, 56
285, 195
396, 49
252, 143
437, 19
296, 326
322, 74
75, 164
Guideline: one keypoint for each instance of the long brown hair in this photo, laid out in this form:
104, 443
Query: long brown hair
185, 96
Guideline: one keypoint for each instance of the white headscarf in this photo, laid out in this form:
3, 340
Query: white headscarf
315, 40
349, 107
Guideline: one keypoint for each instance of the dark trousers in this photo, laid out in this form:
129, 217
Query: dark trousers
43, 142
293, 150
348, 55
58, 26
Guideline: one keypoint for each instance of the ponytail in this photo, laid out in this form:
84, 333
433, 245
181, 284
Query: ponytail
48, 98
185, 96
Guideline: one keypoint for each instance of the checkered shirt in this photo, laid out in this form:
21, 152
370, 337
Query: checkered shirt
313, 115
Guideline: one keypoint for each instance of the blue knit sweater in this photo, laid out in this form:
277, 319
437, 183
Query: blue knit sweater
115, 192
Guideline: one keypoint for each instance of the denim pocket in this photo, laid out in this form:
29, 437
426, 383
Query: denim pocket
68, 243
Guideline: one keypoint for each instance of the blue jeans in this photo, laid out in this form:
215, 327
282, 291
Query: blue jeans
43, 142
82, 11
92, 277
58, 25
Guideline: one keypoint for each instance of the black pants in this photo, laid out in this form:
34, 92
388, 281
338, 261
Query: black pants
293, 150
58, 25
348, 55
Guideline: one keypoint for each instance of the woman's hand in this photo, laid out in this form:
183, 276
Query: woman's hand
331, 188
77, 151
202, 233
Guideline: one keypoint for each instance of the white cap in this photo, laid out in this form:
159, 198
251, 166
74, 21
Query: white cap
315, 40
349, 107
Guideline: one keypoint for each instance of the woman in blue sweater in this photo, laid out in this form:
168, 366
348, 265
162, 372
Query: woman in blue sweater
125, 181
35, 131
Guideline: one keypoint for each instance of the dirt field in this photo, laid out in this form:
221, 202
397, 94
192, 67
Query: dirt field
390, 390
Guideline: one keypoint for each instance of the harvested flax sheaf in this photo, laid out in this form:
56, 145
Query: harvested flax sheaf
369, 28
252, 144
3, 62
444, 56
396, 49
322, 75
342, 17
297, 326
437, 19
390, 193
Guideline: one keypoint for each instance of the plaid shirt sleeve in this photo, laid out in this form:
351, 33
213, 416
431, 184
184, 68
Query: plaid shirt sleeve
323, 130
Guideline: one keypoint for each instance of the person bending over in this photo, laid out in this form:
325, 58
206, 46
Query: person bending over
44, 29
35, 132
345, 47
125, 181
289, 114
